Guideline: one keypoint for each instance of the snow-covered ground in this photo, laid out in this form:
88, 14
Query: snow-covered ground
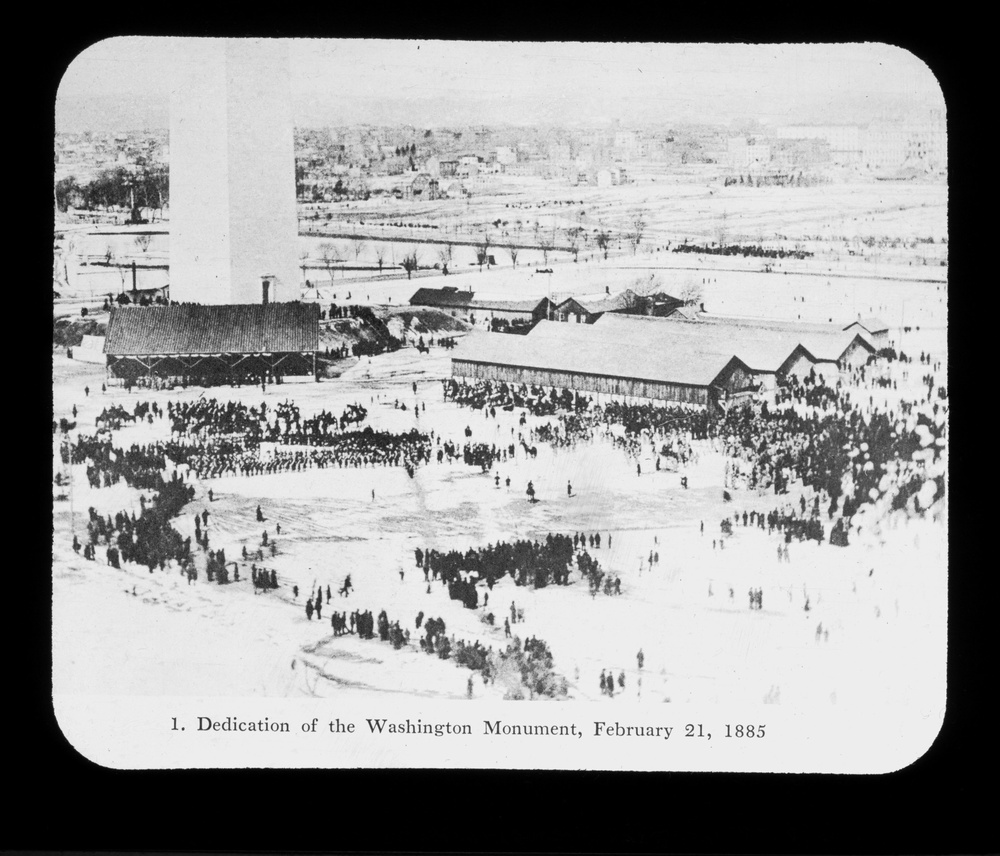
874, 632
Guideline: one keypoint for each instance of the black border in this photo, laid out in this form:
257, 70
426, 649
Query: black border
937, 805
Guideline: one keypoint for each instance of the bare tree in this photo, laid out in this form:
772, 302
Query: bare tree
330, 255
645, 285
122, 274
358, 244
483, 250
632, 303
573, 237
380, 256
445, 254
111, 260
722, 231
692, 292
303, 260
513, 250
603, 241
636, 231
411, 262
546, 243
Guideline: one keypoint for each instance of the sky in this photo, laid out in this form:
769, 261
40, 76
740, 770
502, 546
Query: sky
124, 83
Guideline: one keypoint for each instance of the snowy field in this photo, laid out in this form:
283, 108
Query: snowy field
830, 220
874, 632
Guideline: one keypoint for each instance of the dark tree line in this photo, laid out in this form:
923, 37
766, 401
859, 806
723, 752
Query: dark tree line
117, 187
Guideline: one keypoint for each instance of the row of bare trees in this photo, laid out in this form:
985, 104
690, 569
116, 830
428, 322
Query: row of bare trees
332, 254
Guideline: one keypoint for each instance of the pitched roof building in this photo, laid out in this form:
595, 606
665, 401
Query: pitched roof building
656, 358
581, 357
473, 305
212, 343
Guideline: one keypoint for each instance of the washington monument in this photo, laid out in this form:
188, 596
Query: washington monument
233, 227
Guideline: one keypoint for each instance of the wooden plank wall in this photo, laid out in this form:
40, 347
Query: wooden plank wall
628, 387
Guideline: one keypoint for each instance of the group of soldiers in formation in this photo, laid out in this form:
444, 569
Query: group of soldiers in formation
215, 439
207, 416
239, 430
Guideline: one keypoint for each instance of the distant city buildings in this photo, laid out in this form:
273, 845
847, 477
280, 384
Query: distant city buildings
881, 146
343, 163
748, 152
845, 142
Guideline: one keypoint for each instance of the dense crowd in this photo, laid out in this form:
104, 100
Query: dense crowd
745, 250
847, 452
531, 563
139, 466
533, 399
148, 539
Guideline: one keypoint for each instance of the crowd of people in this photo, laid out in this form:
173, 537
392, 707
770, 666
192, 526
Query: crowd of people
590, 570
533, 399
217, 439
114, 417
745, 250
139, 466
528, 563
149, 539
846, 452
829, 436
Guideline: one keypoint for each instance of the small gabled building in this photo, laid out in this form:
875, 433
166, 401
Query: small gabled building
449, 298
474, 308
875, 330
572, 310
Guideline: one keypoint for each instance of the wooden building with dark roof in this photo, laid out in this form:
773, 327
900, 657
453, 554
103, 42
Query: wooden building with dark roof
585, 358
448, 298
212, 344
636, 356
472, 308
